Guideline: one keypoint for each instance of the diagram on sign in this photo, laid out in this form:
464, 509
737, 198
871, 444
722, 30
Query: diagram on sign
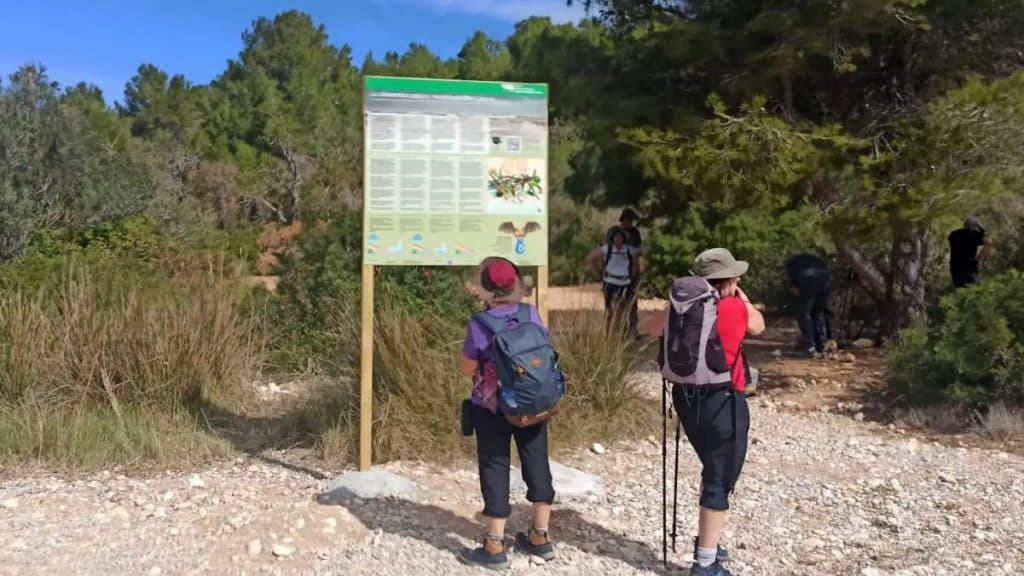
514, 187
515, 184
417, 243
519, 233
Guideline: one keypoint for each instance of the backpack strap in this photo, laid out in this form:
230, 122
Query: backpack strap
629, 259
523, 315
497, 324
741, 355
494, 324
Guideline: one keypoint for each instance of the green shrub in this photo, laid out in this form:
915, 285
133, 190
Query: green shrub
576, 229
321, 282
137, 244
973, 355
763, 238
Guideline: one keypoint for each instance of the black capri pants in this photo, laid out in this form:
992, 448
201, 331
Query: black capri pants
717, 424
493, 447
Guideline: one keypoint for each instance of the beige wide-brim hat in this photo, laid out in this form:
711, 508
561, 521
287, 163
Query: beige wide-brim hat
496, 297
718, 264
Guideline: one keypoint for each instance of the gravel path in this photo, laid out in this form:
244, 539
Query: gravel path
821, 494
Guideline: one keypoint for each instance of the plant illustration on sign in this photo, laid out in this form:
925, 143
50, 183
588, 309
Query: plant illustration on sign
516, 188
519, 233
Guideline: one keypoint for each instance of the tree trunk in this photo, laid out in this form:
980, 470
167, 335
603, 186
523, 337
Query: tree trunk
906, 298
787, 96
899, 291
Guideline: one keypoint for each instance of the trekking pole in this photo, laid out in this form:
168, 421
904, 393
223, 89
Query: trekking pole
664, 472
675, 489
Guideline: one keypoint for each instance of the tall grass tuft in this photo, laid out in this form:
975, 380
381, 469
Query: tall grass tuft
417, 389
603, 402
106, 366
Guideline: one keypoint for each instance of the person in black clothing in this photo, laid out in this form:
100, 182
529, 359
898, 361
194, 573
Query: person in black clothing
964, 261
627, 222
811, 280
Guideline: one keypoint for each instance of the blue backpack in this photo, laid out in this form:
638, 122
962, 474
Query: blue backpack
530, 381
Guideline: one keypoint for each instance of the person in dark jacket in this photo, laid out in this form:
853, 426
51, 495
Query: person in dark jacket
964, 260
810, 279
627, 221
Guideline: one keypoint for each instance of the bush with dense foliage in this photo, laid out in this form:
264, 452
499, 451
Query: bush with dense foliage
974, 354
321, 282
763, 239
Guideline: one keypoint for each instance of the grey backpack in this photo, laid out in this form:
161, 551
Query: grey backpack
691, 352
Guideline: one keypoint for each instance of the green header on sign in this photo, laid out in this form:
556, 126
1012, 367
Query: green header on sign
457, 87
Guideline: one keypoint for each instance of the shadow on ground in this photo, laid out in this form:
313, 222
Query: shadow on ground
286, 439
447, 531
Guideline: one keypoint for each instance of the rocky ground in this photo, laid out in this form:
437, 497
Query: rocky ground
822, 493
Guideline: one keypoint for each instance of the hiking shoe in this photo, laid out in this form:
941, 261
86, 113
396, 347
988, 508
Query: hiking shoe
715, 569
490, 554
536, 543
721, 556
808, 354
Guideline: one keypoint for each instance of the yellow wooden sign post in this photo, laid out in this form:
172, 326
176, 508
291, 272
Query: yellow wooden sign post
453, 171
542, 294
366, 372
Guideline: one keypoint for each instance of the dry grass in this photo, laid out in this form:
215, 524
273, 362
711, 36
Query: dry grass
417, 390
999, 423
108, 369
942, 419
103, 369
601, 404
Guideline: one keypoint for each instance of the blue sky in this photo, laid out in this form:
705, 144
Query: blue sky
103, 41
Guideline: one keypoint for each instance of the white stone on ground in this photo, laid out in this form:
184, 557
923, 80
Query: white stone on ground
369, 485
568, 482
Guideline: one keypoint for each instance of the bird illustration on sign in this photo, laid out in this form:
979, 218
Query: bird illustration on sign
519, 233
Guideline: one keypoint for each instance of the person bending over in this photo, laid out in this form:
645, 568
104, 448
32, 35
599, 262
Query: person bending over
810, 280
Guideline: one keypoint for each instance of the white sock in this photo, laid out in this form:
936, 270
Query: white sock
706, 556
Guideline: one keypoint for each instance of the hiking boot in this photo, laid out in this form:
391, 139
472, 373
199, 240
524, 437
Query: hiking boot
721, 556
715, 569
491, 554
536, 543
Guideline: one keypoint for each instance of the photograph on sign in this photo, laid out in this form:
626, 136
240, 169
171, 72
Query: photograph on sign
455, 171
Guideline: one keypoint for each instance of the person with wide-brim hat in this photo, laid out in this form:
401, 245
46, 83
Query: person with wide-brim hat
716, 419
503, 288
